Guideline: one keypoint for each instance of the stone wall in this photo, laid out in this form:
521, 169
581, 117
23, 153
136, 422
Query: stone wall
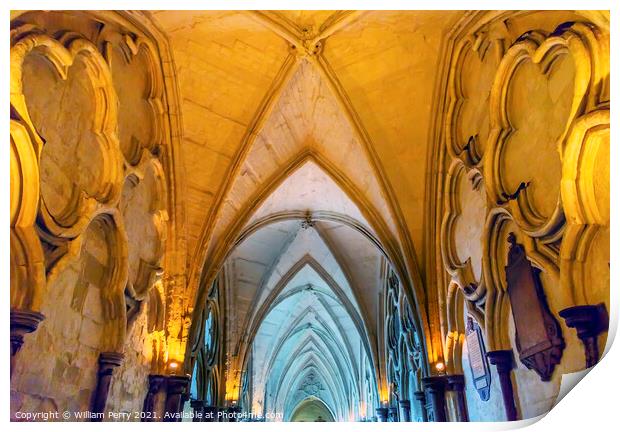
525, 90
88, 92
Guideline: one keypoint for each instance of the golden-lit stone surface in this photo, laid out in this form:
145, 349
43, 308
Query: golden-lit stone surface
156, 155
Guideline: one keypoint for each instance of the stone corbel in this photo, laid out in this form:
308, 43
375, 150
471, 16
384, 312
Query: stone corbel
405, 409
503, 361
176, 395
22, 323
589, 321
108, 361
456, 384
199, 408
435, 387
156, 384
393, 414
382, 414
420, 396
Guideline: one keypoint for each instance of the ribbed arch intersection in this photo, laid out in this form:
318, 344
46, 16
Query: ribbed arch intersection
303, 284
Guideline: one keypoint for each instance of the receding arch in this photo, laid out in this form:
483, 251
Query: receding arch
389, 244
320, 410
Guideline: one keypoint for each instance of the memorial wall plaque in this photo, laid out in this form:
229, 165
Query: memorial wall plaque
478, 362
538, 334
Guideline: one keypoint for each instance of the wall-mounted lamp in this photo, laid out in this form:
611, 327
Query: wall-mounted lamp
440, 366
173, 366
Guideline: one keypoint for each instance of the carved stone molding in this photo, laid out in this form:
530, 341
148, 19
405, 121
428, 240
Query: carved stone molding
71, 220
589, 321
465, 209
466, 126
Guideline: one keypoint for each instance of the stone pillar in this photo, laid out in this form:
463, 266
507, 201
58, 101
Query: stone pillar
502, 360
233, 412
382, 414
198, 407
589, 321
420, 397
405, 410
393, 414
108, 361
435, 387
456, 384
210, 413
156, 384
176, 391
22, 322
221, 414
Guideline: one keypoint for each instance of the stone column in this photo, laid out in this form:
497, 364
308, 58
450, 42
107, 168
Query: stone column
108, 361
198, 406
233, 412
589, 321
435, 387
502, 360
176, 391
456, 384
156, 384
420, 397
393, 414
22, 322
382, 414
405, 410
210, 413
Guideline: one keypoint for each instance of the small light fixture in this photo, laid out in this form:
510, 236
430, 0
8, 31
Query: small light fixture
440, 366
173, 366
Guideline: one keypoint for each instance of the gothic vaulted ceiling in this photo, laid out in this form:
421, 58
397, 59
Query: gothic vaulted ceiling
252, 106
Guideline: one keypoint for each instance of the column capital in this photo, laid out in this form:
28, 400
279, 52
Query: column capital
108, 361
382, 414
434, 383
501, 359
196, 403
23, 322
177, 384
589, 321
405, 403
455, 382
419, 395
156, 383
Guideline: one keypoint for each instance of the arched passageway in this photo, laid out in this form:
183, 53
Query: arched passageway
312, 410
275, 215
